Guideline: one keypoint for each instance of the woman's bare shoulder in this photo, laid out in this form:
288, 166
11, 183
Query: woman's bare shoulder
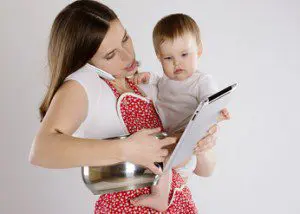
68, 109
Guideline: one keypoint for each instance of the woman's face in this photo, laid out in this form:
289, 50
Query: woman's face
116, 54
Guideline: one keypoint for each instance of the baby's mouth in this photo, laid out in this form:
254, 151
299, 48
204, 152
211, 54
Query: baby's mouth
178, 71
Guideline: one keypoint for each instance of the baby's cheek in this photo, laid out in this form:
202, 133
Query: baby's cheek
193, 63
168, 70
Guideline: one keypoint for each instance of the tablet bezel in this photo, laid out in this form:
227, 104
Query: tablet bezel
214, 97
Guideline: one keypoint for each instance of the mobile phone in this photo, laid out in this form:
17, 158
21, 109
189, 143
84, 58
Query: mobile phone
101, 72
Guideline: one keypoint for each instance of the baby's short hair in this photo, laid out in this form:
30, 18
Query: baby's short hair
173, 26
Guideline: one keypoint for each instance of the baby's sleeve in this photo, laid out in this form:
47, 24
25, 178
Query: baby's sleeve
206, 86
154, 78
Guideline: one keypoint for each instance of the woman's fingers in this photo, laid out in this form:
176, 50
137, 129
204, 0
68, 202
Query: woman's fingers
156, 170
167, 141
151, 131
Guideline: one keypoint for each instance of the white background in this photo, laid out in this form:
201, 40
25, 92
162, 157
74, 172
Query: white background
255, 43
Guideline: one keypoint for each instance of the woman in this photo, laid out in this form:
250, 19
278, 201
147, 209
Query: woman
84, 105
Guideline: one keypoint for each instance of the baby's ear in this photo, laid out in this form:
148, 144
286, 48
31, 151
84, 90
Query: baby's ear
200, 49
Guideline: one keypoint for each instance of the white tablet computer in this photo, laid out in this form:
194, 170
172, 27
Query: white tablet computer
205, 116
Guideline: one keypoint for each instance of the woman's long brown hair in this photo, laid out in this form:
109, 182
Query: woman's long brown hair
76, 34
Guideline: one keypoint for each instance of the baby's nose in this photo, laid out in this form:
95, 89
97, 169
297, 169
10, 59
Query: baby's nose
176, 63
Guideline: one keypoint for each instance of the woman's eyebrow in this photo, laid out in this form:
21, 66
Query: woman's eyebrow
106, 55
125, 34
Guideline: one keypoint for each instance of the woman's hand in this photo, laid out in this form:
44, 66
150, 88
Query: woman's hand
143, 148
209, 141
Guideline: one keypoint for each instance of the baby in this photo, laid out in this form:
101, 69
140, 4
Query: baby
178, 47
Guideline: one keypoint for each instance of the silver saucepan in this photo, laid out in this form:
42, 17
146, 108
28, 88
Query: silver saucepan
118, 177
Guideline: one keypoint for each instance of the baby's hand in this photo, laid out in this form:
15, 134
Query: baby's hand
143, 78
208, 142
224, 115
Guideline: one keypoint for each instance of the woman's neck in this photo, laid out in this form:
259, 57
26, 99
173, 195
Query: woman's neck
121, 85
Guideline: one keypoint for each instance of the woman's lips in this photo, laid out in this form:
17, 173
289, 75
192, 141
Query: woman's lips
131, 66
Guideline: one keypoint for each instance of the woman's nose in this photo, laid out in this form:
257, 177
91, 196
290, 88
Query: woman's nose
125, 55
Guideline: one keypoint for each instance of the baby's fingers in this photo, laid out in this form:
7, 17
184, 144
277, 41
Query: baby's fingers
213, 129
224, 115
204, 141
142, 80
209, 143
135, 79
204, 148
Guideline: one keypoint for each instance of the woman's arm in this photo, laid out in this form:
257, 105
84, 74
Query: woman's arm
58, 150
54, 147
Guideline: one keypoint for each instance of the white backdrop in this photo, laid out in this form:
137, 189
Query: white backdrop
255, 43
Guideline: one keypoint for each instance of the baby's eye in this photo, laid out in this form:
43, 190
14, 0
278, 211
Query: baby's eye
167, 58
184, 54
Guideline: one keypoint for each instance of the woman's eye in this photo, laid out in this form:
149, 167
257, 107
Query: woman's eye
110, 56
184, 54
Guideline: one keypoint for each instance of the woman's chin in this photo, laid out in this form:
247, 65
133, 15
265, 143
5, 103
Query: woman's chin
130, 74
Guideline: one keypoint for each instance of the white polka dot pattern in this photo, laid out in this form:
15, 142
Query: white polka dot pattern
138, 114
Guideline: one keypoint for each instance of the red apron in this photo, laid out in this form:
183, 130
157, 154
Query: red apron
138, 112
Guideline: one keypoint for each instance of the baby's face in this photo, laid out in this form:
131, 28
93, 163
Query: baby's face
179, 58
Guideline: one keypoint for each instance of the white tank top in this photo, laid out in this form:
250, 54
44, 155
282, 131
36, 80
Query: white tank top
102, 120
